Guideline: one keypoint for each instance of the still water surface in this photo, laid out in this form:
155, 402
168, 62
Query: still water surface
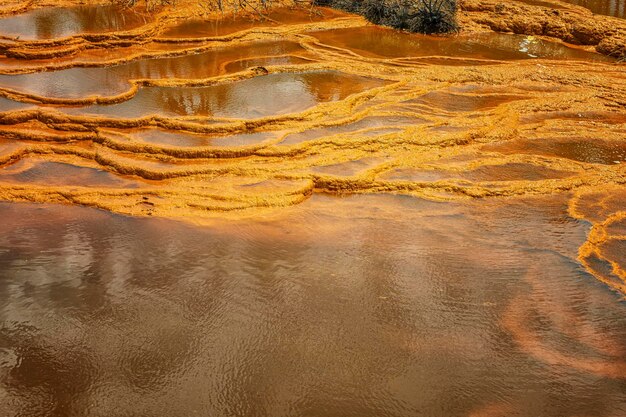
362, 306
58, 22
615, 8
374, 41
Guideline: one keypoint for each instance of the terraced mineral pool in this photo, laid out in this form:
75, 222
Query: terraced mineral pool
316, 218
587, 150
289, 92
8, 105
194, 140
110, 81
58, 173
615, 8
376, 42
199, 28
59, 22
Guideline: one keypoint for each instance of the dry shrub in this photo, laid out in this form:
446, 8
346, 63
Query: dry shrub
423, 16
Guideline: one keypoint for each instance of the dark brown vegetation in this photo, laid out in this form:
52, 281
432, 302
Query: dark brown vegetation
423, 16
150, 4
211, 5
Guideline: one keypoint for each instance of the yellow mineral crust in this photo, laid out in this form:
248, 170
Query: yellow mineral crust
251, 118
552, 18
603, 254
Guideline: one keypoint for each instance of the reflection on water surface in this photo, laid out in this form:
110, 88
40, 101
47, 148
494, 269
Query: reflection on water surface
389, 224
109, 81
51, 23
256, 97
57, 173
376, 41
198, 28
616, 8
359, 306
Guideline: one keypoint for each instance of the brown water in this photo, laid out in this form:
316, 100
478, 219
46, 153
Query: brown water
371, 305
289, 93
58, 173
195, 140
324, 219
615, 8
372, 41
377, 42
584, 149
199, 28
110, 81
51, 23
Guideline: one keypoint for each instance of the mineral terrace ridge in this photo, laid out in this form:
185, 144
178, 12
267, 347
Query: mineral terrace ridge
432, 121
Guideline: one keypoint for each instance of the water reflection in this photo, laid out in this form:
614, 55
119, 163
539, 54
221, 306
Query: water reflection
38, 171
616, 8
289, 93
50, 23
381, 42
9, 105
593, 151
108, 81
197, 28
189, 140
371, 305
